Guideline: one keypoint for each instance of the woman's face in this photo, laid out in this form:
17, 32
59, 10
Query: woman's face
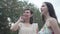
27, 14
44, 9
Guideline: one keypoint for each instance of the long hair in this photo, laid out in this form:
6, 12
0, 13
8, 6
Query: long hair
31, 18
50, 10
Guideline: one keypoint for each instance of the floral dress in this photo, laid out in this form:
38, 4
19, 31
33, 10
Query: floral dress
46, 30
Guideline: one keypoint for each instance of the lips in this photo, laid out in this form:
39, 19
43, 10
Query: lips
26, 15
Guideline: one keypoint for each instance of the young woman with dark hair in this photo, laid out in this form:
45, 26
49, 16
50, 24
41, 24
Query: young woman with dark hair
27, 27
50, 19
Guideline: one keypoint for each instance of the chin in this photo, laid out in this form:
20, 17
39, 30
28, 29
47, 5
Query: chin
26, 17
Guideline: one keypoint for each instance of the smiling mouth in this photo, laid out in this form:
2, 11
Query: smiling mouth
26, 15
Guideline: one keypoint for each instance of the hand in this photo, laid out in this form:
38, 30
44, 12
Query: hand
21, 18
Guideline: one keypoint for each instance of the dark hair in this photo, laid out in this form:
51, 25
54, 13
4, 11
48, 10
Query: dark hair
50, 10
31, 18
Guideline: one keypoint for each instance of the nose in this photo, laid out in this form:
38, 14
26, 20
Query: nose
24, 14
41, 8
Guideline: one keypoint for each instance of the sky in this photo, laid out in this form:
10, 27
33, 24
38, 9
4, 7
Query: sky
55, 3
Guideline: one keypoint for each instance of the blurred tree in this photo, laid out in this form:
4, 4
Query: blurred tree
3, 24
5, 11
4, 28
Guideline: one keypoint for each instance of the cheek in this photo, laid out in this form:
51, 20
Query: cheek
44, 8
43, 11
29, 15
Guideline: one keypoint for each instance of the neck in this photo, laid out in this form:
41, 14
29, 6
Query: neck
27, 21
47, 16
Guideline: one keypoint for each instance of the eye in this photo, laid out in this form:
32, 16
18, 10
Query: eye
42, 5
27, 12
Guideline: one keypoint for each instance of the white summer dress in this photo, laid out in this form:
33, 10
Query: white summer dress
27, 30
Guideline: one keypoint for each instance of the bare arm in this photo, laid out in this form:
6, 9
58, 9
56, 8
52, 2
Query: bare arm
37, 29
16, 25
54, 26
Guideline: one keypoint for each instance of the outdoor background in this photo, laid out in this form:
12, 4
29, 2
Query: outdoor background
11, 10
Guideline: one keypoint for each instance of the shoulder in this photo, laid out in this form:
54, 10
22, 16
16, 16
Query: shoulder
35, 24
52, 20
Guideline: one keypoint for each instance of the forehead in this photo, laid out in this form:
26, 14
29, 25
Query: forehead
43, 4
27, 11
